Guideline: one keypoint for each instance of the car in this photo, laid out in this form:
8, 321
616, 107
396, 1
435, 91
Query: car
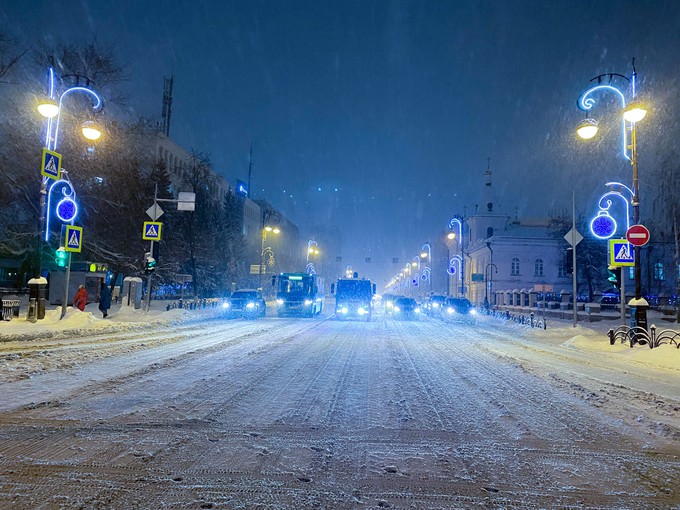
246, 303
434, 305
388, 302
459, 309
405, 308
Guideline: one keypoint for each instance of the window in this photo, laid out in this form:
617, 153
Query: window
538, 267
658, 271
562, 267
514, 268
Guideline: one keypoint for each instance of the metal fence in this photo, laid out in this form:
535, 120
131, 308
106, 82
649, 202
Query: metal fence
640, 336
529, 320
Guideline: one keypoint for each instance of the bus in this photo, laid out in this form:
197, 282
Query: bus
298, 294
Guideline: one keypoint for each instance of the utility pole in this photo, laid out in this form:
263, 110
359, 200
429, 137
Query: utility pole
150, 275
574, 286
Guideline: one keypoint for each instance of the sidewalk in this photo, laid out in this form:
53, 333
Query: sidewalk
90, 321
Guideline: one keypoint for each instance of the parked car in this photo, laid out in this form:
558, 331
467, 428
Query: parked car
405, 308
246, 303
459, 309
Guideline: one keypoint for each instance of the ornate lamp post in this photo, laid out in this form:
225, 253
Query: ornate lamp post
270, 221
312, 249
66, 208
456, 223
632, 114
426, 254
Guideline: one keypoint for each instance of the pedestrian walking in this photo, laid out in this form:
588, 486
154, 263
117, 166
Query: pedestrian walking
104, 300
80, 299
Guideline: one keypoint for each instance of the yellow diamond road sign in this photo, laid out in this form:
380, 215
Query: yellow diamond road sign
152, 231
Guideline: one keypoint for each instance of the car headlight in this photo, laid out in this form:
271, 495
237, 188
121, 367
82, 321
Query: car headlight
308, 302
250, 306
225, 305
397, 309
473, 312
344, 309
417, 310
279, 301
450, 310
435, 305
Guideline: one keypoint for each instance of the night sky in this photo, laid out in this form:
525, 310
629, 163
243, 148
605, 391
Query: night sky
380, 116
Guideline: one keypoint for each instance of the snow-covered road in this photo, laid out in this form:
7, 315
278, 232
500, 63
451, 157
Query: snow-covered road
286, 413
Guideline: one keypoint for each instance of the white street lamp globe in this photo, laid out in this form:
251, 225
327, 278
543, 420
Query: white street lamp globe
587, 129
48, 108
634, 112
91, 131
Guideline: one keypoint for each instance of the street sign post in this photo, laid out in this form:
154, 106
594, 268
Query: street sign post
638, 235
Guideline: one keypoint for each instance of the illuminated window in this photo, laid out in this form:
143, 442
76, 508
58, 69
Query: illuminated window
514, 268
538, 267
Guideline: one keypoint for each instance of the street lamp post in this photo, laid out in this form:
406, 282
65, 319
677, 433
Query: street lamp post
457, 223
427, 255
489, 282
312, 249
50, 108
269, 224
632, 114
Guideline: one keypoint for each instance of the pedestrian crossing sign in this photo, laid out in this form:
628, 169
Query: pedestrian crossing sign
51, 164
621, 253
74, 238
152, 231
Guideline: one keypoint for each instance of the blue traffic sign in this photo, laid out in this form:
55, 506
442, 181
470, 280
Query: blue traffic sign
621, 253
51, 164
152, 231
74, 238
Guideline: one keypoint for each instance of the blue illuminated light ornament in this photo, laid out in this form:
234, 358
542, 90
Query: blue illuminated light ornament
603, 226
451, 270
67, 210
66, 207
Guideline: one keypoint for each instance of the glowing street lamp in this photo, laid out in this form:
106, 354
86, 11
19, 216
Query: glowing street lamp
269, 221
631, 114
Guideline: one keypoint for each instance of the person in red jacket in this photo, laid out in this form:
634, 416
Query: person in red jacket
80, 299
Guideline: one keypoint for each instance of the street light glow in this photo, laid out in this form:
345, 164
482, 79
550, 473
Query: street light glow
634, 112
451, 236
48, 108
587, 129
90, 130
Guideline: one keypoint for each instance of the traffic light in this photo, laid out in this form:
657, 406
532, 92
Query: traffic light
569, 261
61, 257
149, 263
615, 276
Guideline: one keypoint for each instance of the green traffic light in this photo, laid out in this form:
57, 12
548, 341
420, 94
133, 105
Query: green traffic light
61, 257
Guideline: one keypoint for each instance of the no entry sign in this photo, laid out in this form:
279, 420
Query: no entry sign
638, 235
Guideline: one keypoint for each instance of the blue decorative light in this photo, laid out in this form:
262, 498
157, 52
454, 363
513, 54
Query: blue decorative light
603, 226
67, 210
451, 270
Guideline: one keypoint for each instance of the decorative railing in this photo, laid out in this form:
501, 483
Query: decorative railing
528, 320
640, 336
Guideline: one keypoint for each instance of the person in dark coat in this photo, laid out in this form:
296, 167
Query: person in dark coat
104, 300
80, 299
